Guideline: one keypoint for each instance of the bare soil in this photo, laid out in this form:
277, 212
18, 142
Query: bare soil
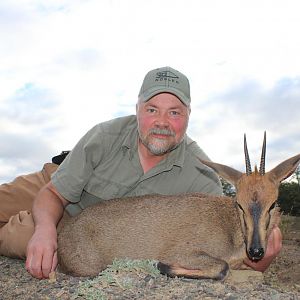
281, 281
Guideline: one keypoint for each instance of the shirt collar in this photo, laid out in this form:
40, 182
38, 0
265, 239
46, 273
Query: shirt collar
177, 156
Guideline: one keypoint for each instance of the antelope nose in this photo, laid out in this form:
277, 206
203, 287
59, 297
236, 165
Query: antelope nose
256, 253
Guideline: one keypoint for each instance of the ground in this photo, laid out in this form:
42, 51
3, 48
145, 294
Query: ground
139, 280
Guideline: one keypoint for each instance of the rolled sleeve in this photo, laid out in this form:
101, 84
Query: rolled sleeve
75, 171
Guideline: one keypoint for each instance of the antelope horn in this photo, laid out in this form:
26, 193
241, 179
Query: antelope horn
263, 157
247, 159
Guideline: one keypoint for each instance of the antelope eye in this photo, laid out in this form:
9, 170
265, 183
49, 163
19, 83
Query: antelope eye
272, 206
240, 207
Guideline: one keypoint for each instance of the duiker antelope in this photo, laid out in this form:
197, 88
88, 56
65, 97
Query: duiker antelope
191, 235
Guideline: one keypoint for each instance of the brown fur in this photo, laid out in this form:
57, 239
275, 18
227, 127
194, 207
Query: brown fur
191, 235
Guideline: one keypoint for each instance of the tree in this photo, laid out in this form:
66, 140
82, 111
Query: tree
228, 189
295, 176
289, 198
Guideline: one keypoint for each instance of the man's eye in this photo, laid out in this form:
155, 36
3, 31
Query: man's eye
174, 113
151, 110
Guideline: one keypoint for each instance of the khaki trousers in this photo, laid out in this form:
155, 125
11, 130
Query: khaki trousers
16, 199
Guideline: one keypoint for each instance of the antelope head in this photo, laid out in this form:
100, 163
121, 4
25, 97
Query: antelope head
256, 195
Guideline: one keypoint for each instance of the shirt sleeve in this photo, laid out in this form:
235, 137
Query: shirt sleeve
193, 147
75, 171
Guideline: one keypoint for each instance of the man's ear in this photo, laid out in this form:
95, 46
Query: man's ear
189, 109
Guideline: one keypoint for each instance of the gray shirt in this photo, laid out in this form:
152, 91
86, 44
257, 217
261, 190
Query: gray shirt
105, 165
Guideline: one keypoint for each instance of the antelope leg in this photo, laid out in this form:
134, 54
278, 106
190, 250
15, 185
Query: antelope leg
199, 266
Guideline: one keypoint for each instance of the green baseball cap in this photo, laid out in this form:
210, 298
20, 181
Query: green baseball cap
165, 80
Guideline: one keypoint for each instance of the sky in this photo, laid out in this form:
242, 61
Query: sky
66, 65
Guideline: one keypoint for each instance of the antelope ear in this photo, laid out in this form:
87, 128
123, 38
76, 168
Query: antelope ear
226, 172
285, 169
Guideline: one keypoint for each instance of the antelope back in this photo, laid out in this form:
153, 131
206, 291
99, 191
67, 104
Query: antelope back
256, 195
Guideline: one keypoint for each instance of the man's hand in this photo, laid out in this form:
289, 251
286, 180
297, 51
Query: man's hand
42, 253
47, 210
273, 248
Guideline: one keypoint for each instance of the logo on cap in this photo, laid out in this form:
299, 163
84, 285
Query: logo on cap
166, 75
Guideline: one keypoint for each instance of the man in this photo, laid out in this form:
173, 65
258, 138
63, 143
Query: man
129, 156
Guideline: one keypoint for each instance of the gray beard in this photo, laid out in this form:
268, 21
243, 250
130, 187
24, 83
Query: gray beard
160, 147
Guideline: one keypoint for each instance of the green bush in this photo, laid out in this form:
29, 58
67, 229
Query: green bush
289, 198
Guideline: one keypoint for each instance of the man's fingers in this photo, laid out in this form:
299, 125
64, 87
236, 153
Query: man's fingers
54, 262
33, 265
47, 263
275, 240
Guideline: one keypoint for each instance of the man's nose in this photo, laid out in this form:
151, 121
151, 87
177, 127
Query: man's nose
162, 120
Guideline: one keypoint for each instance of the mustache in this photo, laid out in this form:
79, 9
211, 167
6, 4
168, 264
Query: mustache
166, 132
